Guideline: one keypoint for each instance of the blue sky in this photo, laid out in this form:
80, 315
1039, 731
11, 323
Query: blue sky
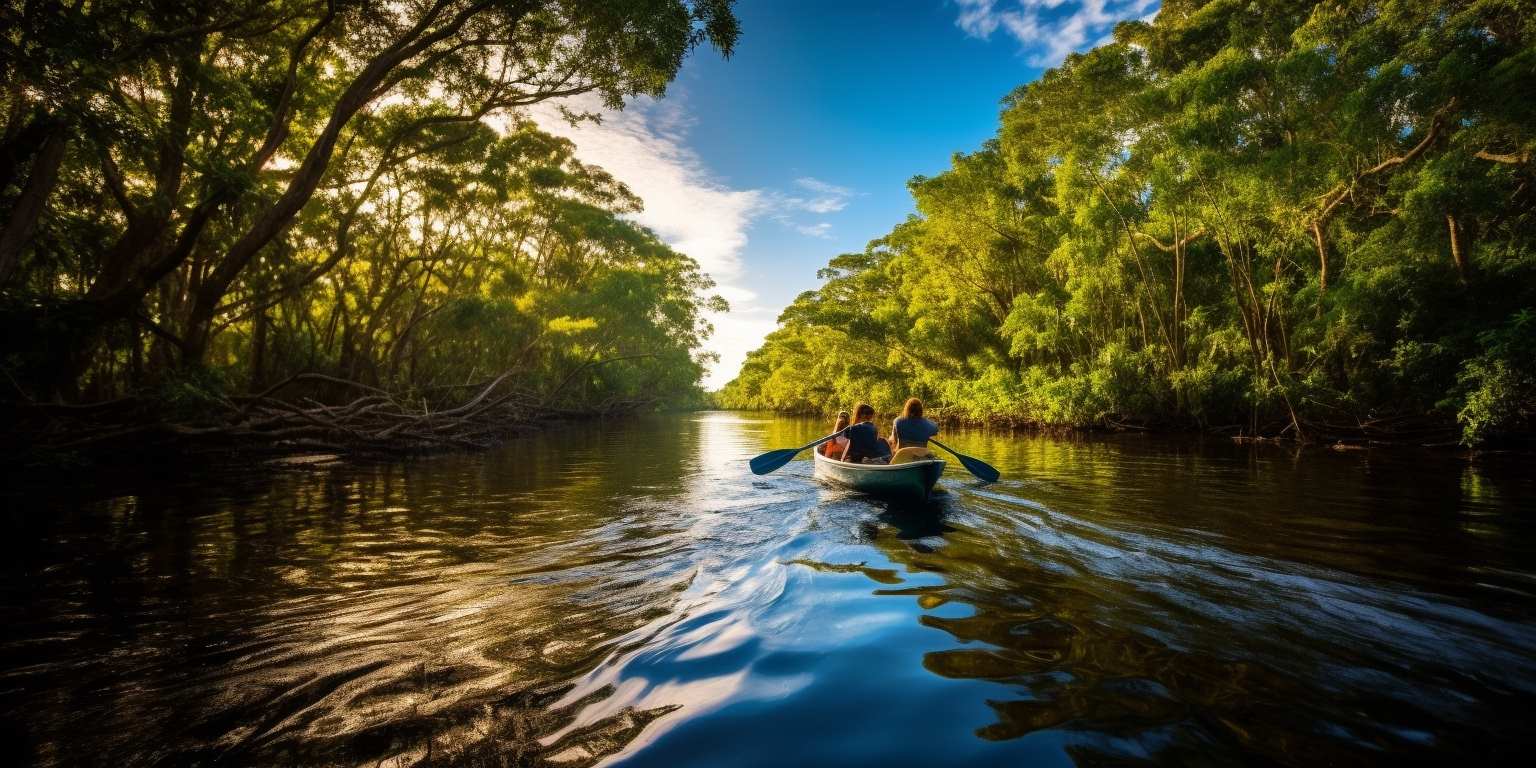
799, 147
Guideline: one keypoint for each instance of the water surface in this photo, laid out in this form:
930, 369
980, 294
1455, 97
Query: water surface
627, 593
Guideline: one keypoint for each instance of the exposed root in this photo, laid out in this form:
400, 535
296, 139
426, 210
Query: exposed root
291, 417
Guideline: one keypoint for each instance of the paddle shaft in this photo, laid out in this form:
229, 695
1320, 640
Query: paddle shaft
772, 460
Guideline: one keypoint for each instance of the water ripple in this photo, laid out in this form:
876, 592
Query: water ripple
627, 593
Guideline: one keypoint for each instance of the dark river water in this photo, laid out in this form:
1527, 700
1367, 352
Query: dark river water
628, 594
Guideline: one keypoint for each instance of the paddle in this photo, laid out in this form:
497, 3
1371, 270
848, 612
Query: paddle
977, 467
772, 460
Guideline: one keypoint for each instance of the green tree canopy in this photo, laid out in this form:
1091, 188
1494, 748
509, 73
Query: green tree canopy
262, 186
1269, 216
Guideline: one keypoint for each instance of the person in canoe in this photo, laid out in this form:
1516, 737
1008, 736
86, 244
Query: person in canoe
910, 433
835, 449
865, 445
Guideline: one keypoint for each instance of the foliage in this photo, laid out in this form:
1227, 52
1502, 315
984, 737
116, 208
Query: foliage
190, 394
260, 189
1265, 216
1500, 384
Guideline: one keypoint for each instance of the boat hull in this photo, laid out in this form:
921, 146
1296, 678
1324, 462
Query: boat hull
912, 480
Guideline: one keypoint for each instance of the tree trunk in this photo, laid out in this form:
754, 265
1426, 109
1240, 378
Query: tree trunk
259, 351
1322, 257
306, 179
1457, 257
22, 140
29, 206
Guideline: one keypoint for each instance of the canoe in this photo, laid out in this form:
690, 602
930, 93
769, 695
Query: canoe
912, 480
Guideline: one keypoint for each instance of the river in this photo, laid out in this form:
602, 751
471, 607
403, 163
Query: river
627, 593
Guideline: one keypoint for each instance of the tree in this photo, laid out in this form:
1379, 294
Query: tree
1291, 217
197, 134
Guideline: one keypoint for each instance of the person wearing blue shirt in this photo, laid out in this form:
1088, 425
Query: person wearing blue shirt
864, 440
910, 433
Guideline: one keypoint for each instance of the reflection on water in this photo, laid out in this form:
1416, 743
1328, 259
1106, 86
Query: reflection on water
629, 593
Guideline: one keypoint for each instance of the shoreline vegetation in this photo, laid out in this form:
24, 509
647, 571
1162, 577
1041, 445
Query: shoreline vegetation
1414, 431
280, 424
1304, 221
301, 226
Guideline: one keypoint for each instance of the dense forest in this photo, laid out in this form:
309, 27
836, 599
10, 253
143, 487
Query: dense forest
1313, 220
206, 201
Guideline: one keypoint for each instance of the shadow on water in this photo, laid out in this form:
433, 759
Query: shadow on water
915, 520
627, 593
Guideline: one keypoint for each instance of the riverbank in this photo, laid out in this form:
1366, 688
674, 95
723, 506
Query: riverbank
1398, 431
306, 414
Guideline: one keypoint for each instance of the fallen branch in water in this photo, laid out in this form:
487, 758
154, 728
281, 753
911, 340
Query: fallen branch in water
280, 419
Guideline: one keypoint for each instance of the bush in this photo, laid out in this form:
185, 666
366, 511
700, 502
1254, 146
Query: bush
191, 394
1498, 387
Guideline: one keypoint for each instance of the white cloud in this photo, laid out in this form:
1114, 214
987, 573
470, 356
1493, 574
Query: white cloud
1049, 30
815, 197
736, 294
645, 146
977, 17
736, 333
642, 146
829, 198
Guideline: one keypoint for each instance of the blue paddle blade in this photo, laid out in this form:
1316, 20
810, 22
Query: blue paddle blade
976, 467
772, 460
979, 468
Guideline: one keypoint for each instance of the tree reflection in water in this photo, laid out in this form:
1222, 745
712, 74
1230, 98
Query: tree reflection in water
629, 593
1135, 667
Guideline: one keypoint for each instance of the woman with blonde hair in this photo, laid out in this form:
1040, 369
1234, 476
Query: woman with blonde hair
835, 448
910, 433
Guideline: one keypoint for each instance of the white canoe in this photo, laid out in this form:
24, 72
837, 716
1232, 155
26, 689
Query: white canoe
912, 480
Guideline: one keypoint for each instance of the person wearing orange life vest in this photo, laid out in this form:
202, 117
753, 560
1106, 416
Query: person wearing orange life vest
835, 448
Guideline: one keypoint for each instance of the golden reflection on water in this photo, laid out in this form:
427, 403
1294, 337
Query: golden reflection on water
627, 592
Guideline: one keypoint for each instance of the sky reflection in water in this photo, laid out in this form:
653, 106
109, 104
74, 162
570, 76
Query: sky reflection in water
627, 593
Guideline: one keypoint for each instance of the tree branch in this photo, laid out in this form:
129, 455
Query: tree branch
1517, 158
1176, 245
